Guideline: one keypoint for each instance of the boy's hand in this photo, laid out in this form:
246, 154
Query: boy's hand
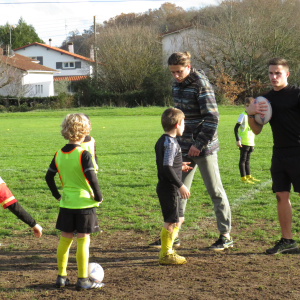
185, 167
37, 230
58, 199
238, 143
193, 151
184, 192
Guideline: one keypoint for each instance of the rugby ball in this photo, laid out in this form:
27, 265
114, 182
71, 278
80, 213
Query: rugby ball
96, 272
263, 119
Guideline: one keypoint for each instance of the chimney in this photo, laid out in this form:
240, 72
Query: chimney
50, 40
71, 47
8, 51
92, 56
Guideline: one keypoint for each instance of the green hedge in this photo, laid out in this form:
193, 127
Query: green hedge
11, 104
102, 98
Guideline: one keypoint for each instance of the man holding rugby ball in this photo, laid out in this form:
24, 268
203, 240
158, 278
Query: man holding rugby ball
285, 125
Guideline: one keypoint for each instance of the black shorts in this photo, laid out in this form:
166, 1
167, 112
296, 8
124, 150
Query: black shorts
247, 148
170, 203
285, 172
83, 221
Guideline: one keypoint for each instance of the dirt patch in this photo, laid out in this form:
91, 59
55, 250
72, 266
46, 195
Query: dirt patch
28, 270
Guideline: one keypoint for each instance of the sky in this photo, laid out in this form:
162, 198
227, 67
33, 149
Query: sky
56, 18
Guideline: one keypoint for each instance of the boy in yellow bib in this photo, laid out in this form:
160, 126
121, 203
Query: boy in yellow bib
81, 194
245, 141
89, 144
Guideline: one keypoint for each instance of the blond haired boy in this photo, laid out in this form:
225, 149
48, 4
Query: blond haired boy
170, 188
81, 194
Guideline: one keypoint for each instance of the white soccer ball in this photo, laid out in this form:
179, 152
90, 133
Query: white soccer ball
96, 272
263, 119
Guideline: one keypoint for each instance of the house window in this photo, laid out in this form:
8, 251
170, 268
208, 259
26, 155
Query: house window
39, 89
68, 65
70, 88
39, 58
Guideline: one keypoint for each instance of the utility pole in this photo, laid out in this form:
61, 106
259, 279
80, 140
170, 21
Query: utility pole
95, 52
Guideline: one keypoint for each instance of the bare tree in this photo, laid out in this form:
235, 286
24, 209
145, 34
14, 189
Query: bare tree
5, 74
12, 82
127, 56
235, 40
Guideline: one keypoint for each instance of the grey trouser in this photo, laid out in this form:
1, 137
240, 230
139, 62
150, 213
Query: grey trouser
209, 170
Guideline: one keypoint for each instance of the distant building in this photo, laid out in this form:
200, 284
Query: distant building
24, 77
182, 40
72, 67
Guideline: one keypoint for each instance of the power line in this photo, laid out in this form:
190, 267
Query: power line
72, 2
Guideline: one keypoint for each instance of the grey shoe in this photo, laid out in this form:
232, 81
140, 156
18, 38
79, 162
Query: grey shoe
86, 284
283, 246
221, 244
62, 281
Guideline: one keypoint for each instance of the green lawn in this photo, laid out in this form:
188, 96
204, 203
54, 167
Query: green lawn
125, 140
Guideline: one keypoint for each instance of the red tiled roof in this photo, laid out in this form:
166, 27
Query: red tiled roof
24, 63
69, 78
58, 50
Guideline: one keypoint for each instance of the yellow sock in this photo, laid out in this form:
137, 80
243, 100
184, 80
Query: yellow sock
248, 176
244, 178
166, 241
63, 255
175, 233
82, 256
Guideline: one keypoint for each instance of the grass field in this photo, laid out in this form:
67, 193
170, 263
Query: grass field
127, 176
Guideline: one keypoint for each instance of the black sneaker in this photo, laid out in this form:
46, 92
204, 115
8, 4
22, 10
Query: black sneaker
283, 246
157, 244
62, 281
86, 284
221, 244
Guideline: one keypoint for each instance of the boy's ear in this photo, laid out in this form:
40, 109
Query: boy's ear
177, 125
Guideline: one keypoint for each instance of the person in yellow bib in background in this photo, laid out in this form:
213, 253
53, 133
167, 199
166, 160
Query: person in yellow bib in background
89, 144
245, 141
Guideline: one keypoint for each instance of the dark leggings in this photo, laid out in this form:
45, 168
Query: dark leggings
244, 163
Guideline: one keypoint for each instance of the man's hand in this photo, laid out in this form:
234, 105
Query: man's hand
257, 108
185, 167
184, 192
238, 143
37, 230
193, 151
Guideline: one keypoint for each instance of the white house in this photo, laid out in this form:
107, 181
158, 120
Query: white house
72, 67
24, 77
182, 40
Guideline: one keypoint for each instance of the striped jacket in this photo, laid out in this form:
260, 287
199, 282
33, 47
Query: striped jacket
196, 98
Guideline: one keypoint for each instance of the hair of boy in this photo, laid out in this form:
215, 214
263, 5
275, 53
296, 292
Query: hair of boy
248, 100
89, 120
170, 117
75, 127
179, 58
278, 61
